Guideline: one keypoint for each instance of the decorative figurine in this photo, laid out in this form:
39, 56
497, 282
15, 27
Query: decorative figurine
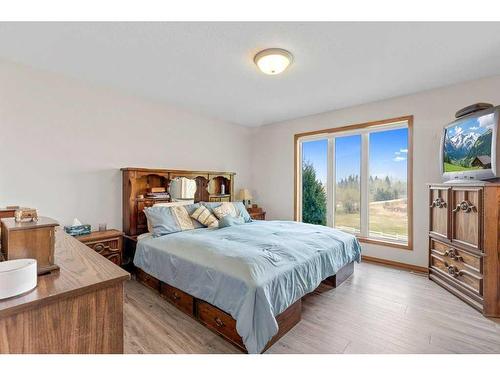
29, 214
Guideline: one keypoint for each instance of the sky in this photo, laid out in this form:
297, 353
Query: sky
478, 125
388, 153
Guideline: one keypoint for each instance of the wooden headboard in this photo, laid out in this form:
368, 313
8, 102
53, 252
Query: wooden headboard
138, 181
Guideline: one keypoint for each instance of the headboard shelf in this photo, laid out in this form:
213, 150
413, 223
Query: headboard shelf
137, 182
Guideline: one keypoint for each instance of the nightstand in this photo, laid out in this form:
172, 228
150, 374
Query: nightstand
108, 243
256, 213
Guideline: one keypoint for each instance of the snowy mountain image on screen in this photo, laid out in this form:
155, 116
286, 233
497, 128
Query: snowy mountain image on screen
467, 145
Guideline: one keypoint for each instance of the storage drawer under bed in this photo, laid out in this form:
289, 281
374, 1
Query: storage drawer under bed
183, 301
218, 321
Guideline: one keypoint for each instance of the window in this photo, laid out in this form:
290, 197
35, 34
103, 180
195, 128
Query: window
357, 178
347, 192
387, 185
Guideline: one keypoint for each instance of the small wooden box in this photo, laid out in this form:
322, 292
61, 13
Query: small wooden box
32, 239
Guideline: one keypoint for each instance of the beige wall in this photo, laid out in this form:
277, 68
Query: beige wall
272, 171
62, 144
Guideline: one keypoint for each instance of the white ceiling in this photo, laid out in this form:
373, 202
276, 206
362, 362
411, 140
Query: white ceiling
208, 68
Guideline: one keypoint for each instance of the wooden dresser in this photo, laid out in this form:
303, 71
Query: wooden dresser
78, 309
464, 243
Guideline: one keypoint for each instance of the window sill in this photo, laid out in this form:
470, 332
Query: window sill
380, 242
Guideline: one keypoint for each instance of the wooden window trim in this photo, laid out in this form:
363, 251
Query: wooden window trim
409, 120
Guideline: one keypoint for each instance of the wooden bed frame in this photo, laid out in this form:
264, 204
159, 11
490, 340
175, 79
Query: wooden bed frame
221, 322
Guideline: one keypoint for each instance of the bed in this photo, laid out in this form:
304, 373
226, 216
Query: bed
246, 282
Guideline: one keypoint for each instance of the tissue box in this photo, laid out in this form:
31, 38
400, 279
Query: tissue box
77, 230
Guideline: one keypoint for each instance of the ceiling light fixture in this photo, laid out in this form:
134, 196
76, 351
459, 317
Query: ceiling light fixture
273, 60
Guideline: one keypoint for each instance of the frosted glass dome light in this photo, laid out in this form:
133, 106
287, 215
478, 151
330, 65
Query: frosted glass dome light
273, 60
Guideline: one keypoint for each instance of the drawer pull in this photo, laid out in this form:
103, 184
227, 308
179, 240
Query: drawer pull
455, 272
176, 296
219, 322
451, 253
99, 247
465, 206
439, 203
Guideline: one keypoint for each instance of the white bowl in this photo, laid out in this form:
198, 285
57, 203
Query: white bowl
17, 276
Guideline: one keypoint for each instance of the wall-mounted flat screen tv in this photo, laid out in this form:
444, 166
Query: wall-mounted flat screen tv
469, 147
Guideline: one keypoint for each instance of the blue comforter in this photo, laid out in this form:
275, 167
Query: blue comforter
252, 271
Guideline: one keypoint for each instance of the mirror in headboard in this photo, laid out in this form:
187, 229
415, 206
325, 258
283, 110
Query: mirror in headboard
187, 186
182, 188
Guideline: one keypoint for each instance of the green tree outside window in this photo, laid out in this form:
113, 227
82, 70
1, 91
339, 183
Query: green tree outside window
313, 196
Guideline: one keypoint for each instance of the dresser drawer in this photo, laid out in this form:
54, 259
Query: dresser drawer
457, 256
465, 294
439, 198
457, 265
182, 300
110, 249
467, 216
219, 321
106, 243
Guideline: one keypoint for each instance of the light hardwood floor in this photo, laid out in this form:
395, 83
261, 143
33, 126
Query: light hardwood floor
378, 310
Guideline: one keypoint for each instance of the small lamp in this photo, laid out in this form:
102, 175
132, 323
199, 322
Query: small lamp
245, 196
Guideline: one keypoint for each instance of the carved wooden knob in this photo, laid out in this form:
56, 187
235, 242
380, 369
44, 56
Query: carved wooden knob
465, 206
99, 247
438, 202
453, 271
219, 322
453, 254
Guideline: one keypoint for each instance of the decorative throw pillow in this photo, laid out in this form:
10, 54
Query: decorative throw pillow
225, 209
166, 220
203, 215
239, 208
229, 221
